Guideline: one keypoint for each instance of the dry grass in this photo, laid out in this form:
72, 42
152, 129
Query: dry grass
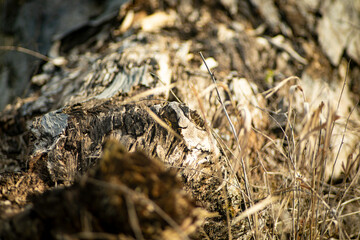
286, 191
290, 194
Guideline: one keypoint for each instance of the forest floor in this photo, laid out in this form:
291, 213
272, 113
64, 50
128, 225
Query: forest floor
126, 135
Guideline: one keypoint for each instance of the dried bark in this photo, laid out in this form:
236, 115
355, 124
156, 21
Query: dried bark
69, 142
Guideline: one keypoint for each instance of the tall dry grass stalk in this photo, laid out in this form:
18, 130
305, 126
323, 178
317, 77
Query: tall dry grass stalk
289, 196
308, 205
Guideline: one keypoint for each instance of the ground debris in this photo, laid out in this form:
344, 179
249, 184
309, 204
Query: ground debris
289, 97
127, 195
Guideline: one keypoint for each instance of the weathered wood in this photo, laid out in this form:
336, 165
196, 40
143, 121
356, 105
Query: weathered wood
69, 142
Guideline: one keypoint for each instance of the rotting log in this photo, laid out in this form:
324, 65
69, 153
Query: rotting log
69, 141
78, 109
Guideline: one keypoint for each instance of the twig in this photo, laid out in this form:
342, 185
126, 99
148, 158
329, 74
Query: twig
344, 84
26, 51
273, 90
133, 219
343, 137
147, 93
220, 100
162, 123
247, 188
124, 189
170, 89
342, 142
337, 108
256, 208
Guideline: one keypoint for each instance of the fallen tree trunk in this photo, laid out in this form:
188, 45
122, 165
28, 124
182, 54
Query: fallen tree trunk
144, 85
